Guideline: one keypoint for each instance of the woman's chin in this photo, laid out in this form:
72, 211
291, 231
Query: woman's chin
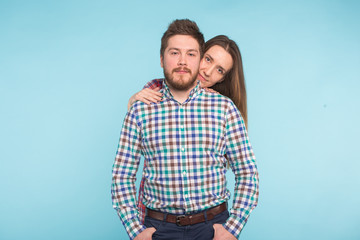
203, 83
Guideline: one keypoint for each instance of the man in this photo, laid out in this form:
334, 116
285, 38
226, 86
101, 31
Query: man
184, 140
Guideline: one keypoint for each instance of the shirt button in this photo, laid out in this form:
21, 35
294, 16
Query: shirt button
183, 149
182, 127
184, 173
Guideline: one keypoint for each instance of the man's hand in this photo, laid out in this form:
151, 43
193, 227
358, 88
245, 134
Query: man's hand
221, 233
146, 234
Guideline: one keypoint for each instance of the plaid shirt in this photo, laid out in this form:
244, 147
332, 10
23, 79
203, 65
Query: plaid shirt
184, 146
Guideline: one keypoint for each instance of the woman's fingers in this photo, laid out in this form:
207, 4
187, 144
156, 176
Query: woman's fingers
148, 96
152, 92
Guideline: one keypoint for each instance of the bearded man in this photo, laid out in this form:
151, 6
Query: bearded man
184, 140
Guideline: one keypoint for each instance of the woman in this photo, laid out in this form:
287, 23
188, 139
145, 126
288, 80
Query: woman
220, 69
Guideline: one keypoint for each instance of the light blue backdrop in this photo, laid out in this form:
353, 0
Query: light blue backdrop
67, 69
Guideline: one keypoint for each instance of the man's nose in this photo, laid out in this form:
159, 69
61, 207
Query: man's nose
182, 60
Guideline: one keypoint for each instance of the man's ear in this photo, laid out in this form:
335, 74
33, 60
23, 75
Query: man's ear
161, 61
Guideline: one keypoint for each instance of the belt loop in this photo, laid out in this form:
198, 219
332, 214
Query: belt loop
165, 216
205, 215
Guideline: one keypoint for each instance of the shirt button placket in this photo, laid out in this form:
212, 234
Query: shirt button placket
185, 191
183, 156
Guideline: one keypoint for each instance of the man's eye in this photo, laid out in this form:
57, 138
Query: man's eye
207, 59
173, 53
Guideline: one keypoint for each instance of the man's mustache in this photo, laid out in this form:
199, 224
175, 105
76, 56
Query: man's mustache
182, 69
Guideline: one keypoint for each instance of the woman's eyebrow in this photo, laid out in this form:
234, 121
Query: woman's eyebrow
209, 56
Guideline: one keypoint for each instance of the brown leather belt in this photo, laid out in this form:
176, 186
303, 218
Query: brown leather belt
184, 220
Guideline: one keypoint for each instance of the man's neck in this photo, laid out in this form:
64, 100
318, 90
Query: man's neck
181, 95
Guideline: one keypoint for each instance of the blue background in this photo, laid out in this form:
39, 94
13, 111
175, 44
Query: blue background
68, 68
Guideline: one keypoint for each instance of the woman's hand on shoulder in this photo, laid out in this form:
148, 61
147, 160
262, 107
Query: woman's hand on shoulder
147, 96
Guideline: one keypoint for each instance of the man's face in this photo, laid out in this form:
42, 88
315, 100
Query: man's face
181, 62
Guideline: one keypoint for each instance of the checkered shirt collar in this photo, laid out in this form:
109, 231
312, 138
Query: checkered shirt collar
193, 93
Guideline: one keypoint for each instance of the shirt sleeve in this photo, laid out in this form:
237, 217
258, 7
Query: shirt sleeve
242, 162
124, 175
154, 84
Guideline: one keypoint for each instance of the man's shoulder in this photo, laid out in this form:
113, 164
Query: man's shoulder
209, 93
217, 99
137, 107
141, 109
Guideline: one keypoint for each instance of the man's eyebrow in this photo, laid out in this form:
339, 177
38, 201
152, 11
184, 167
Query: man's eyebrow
177, 49
188, 50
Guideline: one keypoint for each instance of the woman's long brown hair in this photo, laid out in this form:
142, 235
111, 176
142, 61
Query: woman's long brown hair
233, 85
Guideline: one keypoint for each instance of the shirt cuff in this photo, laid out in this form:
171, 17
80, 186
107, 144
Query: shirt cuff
234, 226
133, 228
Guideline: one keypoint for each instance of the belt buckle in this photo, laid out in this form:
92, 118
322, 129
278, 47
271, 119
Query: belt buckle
178, 219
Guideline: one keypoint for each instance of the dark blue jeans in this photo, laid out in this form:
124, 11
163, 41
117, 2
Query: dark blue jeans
199, 231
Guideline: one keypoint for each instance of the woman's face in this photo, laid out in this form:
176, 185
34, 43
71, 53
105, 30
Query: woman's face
214, 66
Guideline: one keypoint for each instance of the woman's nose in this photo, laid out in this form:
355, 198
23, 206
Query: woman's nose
207, 71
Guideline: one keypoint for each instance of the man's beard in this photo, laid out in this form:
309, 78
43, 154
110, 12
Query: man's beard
181, 83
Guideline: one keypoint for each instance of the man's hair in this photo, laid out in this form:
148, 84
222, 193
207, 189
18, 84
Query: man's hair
183, 27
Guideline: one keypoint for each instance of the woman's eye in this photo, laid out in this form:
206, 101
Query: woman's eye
220, 71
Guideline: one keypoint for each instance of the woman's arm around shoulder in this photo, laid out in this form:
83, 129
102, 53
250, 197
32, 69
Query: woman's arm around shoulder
149, 94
